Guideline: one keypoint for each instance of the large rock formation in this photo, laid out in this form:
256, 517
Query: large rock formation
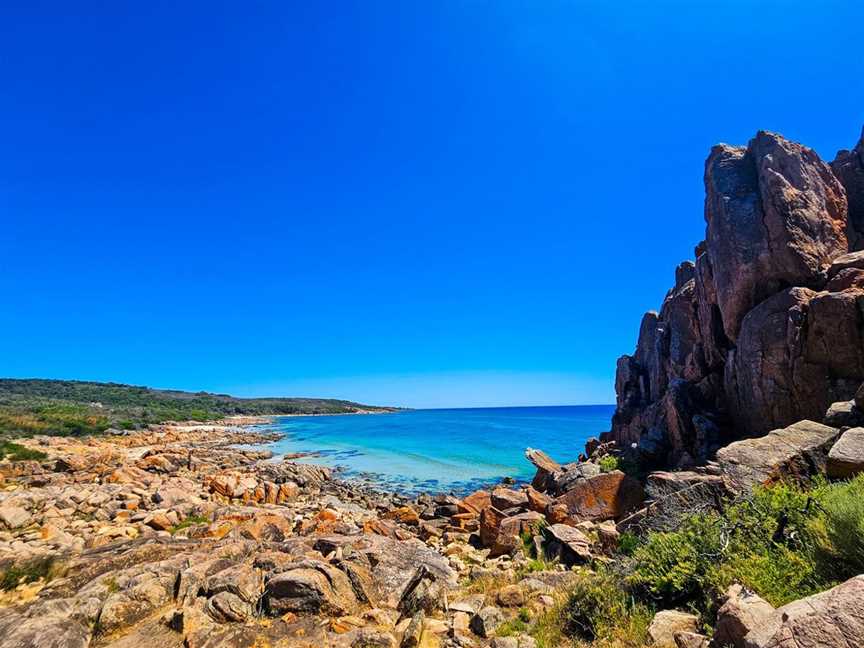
776, 216
767, 326
848, 166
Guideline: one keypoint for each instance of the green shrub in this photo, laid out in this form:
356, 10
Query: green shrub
18, 452
599, 608
27, 572
673, 568
779, 575
842, 528
785, 542
627, 543
190, 521
512, 627
769, 543
608, 463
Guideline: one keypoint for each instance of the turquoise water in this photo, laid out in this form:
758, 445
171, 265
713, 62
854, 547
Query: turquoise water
441, 450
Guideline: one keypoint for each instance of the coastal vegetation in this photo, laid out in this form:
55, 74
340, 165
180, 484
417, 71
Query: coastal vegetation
783, 543
10, 451
77, 408
30, 571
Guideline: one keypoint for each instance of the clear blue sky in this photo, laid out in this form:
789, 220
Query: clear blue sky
416, 203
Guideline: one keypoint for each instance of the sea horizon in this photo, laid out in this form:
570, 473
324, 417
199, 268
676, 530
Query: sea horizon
486, 407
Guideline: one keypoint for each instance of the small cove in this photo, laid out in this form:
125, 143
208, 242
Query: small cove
440, 450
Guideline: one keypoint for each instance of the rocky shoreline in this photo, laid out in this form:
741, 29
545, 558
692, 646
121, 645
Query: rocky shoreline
176, 536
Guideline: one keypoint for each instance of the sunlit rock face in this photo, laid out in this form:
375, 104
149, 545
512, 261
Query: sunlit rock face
762, 330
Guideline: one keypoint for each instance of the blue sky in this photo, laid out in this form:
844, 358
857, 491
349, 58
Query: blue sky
422, 204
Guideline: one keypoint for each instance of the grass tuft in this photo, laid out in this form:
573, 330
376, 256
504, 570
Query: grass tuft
28, 571
17, 452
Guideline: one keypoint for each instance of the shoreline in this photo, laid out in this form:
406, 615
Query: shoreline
357, 465
174, 534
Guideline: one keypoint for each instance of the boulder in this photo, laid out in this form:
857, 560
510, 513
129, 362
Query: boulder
241, 580
161, 520
504, 642
690, 640
413, 632
309, 587
490, 527
423, 593
661, 483
14, 517
853, 260
537, 501
797, 451
667, 623
511, 596
142, 596
826, 620
403, 514
742, 612
396, 562
45, 625
561, 481
372, 638
859, 397
545, 467
266, 527
673, 495
608, 535
226, 607
846, 279
486, 621
179, 497
843, 414
846, 457
477, 501
506, 498
603, 497
500, 533
567, 544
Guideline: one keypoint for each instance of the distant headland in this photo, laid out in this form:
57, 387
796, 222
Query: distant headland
40, 406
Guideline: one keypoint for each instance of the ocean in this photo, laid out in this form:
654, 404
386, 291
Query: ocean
442, 450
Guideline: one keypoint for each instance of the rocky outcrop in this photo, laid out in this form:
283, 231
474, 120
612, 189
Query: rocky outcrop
766, 327
797, 451
848, 166
825, 620
776, 217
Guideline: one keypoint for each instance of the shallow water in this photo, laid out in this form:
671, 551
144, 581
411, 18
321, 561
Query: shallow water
441, 450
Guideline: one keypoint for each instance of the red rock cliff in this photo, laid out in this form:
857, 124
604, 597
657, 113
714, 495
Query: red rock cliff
767, 326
